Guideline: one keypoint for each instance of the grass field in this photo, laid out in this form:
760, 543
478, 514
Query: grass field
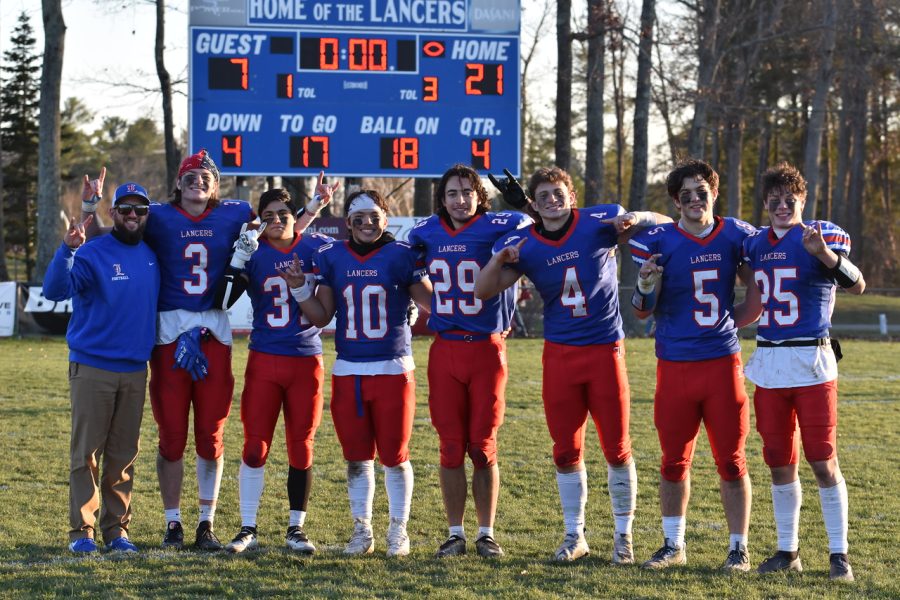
34, 562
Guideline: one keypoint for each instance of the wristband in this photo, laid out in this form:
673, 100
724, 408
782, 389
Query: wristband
643, 302
90, 205
302, 293
845, 273
644, 218
314, 205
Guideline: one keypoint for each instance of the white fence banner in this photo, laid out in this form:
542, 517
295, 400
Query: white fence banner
7, 308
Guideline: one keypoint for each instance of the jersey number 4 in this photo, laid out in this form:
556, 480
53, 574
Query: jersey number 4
572, 296
443, 280
773, 288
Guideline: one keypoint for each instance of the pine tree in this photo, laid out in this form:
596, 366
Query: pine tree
19, 95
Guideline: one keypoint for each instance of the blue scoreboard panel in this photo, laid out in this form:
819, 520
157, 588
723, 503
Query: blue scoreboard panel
380, 88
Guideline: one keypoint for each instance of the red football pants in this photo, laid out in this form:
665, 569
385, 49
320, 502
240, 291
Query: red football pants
273, 382
711, 391
172, 392
582, 380
467, 398
778, 412
374, 412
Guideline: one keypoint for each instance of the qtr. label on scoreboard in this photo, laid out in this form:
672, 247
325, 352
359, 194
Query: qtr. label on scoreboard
382, 88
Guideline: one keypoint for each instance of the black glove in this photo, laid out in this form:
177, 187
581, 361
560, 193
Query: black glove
512, 190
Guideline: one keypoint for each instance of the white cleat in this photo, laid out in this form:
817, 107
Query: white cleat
244, 540
297, 541
574, 546
397, 539
623, 554
361, 541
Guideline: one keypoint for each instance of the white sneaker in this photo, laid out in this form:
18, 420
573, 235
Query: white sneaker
574, 546
361, 541
297, 541
397, 539
623, 554
244, 540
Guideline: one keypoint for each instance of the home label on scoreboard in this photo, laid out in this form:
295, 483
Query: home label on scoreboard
378, 88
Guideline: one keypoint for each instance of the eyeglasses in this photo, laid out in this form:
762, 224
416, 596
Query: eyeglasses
138, 209
774, 202
192, 178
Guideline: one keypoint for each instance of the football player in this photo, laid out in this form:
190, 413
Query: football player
686, 280
797, 266
569, 255
368, 281
467, 369
284, 369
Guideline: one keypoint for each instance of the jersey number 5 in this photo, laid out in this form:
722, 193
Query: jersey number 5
708, 316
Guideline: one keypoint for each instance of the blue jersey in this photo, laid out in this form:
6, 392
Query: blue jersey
114, 288
575, 276
695, 309
454, 258
279, 326
371, 296
193, 251
797, 290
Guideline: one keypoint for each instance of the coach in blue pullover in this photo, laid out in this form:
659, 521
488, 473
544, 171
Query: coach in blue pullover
113, 281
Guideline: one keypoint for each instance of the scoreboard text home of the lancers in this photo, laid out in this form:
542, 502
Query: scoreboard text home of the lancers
355, 87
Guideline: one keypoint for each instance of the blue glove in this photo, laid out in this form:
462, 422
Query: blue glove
188, 355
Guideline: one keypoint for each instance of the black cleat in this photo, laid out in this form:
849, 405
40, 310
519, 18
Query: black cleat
840, 568
781, 561
738, 560
454, 546
174, 537
487, 547
206, 539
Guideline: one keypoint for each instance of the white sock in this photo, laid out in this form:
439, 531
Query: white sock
573, 497
361, 488
737, 538
458, 530
622, 483
834, 512
483, 531
172, 514
398, 482
297, 518
786, 501
209, 478
250, 487
673, 529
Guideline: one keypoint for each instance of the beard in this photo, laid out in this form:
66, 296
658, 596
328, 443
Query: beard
130, 236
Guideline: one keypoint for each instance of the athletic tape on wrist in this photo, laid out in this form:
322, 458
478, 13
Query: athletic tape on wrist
845, 273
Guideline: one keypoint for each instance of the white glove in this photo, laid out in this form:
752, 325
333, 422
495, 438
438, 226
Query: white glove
305, 291
246, 245
412, 313
90, 205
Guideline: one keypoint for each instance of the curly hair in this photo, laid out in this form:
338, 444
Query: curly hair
783, 176
465, 173
690, 168
380, 202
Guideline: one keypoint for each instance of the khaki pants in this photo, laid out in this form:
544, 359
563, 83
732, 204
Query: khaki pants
107, 408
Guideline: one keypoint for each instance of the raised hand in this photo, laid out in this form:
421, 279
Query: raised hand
246, 244
512, 190
813, 241
75, 235
622, 222
293, 274
92, 192
323, 194
649, 274
510, 254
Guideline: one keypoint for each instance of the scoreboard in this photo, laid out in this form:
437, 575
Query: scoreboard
380, 88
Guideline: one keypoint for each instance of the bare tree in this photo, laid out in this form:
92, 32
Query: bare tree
563, 145
708, 60
599, 14
640, 150
4, 270
165, 86
824, 75
48, 223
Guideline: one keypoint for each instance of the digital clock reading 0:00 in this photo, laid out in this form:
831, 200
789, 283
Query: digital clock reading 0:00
357, 54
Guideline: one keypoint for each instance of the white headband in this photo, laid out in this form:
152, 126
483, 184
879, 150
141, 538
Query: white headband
363, 202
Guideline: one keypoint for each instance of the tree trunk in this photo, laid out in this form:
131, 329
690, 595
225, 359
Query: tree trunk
593, 168
734, 145
563, 145
707, 35
4, 270
765, 137
165, 86
824, 76
423, 197
618, 62
48, 223
640, 148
